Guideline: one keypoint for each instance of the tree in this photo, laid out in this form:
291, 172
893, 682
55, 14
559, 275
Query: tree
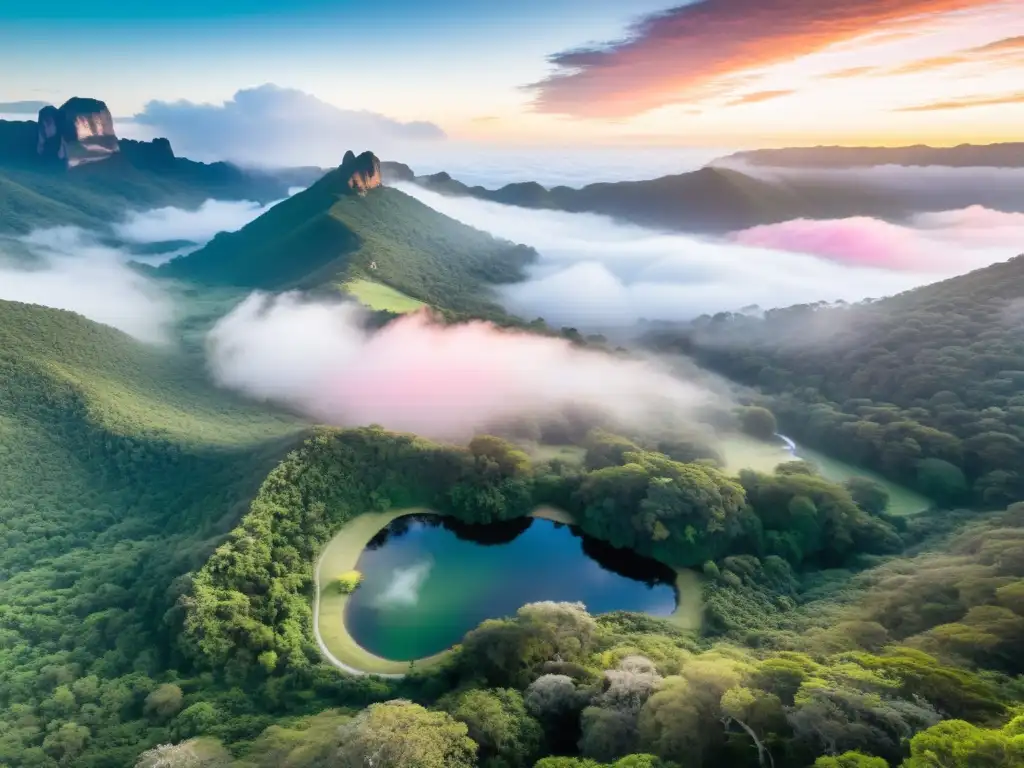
499, 723
195, 753
868, 495
400, 734
850, 760
759, 422
348, 581
957, 744
164, 702
942, 481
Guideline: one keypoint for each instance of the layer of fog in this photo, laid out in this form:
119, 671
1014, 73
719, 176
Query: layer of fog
198, 226
78, 270
597, 273
67, 268
440, 381
930, 187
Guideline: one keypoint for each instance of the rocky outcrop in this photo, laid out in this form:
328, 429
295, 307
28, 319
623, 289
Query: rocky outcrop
362, 173
80, 132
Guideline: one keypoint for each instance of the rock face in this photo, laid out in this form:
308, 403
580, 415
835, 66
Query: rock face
81, 131
363, 172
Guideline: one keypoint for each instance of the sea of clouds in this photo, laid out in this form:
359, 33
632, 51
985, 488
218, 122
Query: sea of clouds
450, 381
597, 273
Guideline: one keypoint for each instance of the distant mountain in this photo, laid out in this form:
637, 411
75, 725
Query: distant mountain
718, 199
1008, 155
348, 225
70, 168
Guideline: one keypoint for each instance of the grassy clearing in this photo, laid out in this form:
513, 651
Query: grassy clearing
342, 553
570, 454
742, 452
380, 297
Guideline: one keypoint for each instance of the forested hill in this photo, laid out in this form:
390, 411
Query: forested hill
925, 386
119, 466
331, 233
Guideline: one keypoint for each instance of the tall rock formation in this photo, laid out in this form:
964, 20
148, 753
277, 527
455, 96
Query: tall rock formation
81, 131
363, 172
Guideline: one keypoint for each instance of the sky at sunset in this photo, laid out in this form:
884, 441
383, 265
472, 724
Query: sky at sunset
737, 73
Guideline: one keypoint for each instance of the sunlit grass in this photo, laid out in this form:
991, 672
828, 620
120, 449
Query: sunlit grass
380, 297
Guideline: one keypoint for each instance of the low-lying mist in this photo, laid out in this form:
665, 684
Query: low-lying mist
197, 226
595, 272
419, 376
67, 268
78, 270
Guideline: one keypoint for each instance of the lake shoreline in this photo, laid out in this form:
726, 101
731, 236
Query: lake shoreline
342, 553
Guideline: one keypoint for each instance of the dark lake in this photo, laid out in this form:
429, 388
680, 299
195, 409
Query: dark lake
427, 580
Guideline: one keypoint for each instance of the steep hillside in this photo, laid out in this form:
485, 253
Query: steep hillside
119, 468
924, 386
333, 232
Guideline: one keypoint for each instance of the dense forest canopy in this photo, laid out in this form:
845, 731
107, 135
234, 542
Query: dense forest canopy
924, 387
158, 539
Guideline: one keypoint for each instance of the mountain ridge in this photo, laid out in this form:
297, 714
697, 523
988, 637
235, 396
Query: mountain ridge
349, 225
997, 155
717, 199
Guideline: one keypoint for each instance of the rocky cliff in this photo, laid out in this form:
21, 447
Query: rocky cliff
363, 172
81, 131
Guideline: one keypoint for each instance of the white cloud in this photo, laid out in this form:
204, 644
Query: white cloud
274, 126
595, 272
160, 225
73, 272
414, 375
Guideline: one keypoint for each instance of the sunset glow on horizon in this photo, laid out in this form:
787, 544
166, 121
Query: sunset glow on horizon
738, 73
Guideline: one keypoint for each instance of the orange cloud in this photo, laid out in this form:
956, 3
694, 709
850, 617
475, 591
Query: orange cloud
967, 103
758, 97
842, 74
926, 65
999, 46
989, 54
672, 56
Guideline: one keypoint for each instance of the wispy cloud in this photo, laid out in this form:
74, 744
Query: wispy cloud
842, 74
759, 96
966, 103
1006, 51
669, 57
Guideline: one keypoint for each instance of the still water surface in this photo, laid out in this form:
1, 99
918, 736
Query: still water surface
427, 580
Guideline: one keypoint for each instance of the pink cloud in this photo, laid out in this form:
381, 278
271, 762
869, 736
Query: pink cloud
415, 375
688, 51
859, 241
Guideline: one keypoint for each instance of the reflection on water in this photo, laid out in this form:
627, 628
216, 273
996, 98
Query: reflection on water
428, 579
404, 587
